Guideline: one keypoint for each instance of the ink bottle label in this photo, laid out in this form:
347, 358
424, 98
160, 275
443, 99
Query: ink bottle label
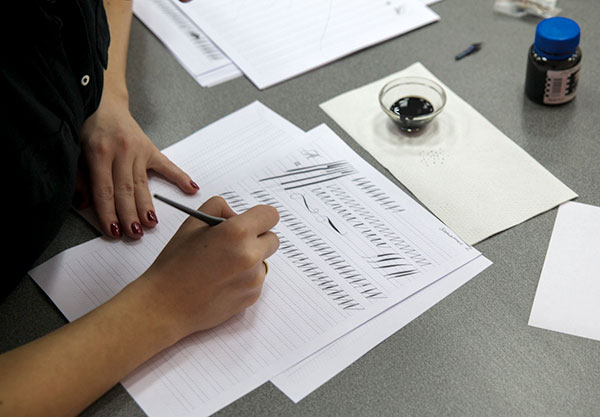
561, 86
554, 62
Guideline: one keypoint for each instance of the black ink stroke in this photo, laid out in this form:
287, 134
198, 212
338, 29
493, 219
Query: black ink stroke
315, 211
335, 261
310, 175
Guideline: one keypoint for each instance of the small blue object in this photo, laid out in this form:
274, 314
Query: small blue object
471, 49
556, 38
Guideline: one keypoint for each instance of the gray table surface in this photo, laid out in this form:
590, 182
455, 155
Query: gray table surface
472, 354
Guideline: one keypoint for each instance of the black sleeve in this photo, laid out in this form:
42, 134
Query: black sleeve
43, 105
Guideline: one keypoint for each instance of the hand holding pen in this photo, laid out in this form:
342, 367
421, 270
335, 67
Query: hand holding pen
205, 275
206, 218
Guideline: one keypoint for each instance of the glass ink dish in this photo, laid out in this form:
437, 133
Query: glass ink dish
412, 102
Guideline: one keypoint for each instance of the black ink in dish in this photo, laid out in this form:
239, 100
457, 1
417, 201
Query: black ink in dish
409, 107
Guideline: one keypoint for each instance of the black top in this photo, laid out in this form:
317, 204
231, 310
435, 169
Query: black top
51, 79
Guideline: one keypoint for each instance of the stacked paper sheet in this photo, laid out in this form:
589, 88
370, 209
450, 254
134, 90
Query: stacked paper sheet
356, 253
271, 42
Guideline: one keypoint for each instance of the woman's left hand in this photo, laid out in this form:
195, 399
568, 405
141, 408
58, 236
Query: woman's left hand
118, 154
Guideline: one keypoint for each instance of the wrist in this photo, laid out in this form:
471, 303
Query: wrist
115, 96
115, 87
141, 304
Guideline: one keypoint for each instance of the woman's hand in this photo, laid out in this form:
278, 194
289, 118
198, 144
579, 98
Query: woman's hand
118, 155
205, 275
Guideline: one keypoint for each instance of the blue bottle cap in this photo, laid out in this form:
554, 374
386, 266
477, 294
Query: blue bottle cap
556, 38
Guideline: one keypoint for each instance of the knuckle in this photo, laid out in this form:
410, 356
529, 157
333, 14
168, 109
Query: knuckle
258, 280
126, 188
100, 147
237, 232
106, 192
140, 181
123, 143
247, 259
252, 298
217, 199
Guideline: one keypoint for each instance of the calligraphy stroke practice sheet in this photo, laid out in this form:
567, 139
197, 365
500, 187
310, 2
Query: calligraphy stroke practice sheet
352, 245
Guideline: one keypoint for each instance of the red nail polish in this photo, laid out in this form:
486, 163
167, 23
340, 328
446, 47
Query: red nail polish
152, 216
115, 229
137, 228
193, 184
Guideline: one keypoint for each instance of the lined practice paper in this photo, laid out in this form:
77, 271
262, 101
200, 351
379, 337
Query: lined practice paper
274, 41
352, 245
189, 45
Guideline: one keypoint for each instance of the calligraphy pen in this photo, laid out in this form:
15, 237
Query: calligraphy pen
206, 218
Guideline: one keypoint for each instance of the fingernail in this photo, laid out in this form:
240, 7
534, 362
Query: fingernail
152, 216
137, 228
115, 229
193, 184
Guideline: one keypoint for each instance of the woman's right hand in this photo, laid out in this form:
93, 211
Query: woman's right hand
205, 275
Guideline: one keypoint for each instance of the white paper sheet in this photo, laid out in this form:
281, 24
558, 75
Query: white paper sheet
467, 172
186, 41
199, 56
567, 299
308, 375
352, 245
274, 41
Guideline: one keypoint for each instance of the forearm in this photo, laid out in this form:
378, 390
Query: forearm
119, 13
204, 276
63, 372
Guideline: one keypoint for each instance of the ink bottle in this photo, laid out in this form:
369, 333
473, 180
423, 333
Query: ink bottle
554, 62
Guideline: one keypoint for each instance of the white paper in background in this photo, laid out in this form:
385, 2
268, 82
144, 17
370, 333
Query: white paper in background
186, 41
202, 59
465, 170
303, 378
352, 245
274, 41
567, 299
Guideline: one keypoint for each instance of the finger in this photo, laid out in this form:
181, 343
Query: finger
269, 243
250, 283
258, 219
217, 206
173, 173
255, 284
258, 276
214, 206
143, 200
125, 197
101, 183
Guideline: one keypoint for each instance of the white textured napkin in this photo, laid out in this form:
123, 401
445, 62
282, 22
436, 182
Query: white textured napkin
465, 170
